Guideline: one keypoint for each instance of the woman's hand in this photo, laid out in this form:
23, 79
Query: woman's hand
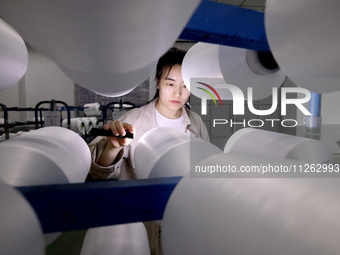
115, 144
117, 127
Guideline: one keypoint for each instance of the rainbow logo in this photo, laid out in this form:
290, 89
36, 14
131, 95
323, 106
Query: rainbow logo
211, 88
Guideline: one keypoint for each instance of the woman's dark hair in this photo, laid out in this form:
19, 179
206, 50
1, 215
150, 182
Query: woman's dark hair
172, 57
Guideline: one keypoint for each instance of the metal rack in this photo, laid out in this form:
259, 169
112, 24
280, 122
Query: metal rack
52, 108
38, 114
112, 106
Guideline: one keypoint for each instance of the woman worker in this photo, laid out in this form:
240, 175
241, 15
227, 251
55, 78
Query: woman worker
113, 157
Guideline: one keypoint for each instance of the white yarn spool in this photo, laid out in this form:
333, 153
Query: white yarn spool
70, 152
89, 40
94, 121
124, 239
304, 39
13, 56
166, 152
49, 155
77, 125
24, 165
252, 216
228, 65
21, 232
87, 124
278, 145
92, 109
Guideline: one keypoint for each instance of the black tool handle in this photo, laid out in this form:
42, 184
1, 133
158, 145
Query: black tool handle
103, 132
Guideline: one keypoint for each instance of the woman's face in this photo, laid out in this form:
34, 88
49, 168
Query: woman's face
173, 93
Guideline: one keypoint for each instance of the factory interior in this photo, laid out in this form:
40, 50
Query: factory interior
256, 166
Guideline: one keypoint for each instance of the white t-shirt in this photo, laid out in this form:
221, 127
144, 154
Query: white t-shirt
173, 123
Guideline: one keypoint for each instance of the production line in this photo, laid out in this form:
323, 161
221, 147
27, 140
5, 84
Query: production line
262, 192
